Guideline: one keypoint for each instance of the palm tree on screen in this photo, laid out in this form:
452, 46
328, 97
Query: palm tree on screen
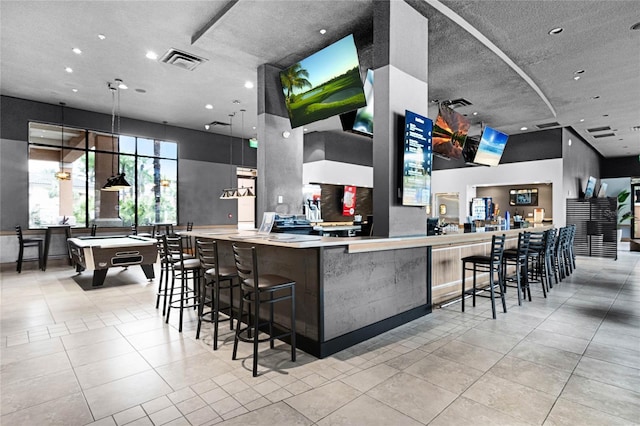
295, 77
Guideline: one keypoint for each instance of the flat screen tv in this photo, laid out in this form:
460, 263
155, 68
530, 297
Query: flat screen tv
361, 120
591, 186
324, 84
491, 147
449, 133
416, 160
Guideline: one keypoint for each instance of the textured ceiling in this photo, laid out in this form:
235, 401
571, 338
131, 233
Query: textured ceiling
37, 38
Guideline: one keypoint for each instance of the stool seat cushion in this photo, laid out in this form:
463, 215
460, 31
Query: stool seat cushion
188, 264
223, 271
268, 281
478, 258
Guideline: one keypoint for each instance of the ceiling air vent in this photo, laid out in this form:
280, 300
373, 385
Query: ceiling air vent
182, 59
598, 129
455, 103
604, 135
547, 125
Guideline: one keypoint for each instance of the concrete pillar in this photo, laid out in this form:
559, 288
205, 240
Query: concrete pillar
400, 70
279, 157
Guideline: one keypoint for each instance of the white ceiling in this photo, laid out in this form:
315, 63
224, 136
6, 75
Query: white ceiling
37, 38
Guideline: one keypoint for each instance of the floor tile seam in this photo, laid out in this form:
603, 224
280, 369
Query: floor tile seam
609, 383
515, 419
31, 407
594, 408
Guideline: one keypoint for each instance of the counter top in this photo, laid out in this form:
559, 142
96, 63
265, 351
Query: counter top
353, 244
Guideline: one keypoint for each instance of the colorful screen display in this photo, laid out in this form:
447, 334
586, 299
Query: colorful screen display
491, 147
324, 84
417, 160
449, 133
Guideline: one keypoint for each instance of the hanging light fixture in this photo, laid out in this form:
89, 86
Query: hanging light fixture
230, 193
244, 191
62, 174
117, 181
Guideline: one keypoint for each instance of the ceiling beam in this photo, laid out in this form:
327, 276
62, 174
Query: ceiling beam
213, 21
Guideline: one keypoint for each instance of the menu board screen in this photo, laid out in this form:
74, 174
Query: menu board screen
417, 160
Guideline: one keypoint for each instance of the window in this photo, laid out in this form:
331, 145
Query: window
150, 166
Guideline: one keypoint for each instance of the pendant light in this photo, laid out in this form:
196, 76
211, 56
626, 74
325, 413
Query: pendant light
62, 174
117, 181
244, 191
230, 193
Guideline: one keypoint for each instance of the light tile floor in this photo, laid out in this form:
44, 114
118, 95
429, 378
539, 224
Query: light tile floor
105, 357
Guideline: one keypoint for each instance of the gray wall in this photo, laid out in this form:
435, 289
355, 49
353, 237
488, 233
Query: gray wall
338, 146
196, 150
579, 161
500, 196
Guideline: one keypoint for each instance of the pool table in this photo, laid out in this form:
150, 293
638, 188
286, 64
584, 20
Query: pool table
101, 253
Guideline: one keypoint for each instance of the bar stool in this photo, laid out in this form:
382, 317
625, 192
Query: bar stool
492, 264
165, 270
549, 257
535, 259
27, 242
254, 289
518, 258
182, 269
187, 239
216, 278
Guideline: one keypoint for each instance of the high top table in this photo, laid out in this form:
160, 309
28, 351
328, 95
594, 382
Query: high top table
47, 242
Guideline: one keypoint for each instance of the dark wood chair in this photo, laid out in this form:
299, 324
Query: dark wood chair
28, 242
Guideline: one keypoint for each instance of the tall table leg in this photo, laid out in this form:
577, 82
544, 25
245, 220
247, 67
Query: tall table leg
47, 243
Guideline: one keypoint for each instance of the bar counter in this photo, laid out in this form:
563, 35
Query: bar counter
349, 289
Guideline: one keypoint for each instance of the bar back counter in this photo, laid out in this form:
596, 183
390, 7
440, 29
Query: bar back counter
351, 289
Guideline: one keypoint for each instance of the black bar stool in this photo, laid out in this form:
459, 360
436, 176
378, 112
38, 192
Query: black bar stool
491, 264
182, 269
535, 259
27, 242
187, 239
518, 258
216, 278
254, 290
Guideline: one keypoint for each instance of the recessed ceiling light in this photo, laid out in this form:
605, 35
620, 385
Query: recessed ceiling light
76, 51
582, 120
595, 97
556, 30
152, 55
576, 78
323, 31
248, 84
304, 129
636, 26
523, 128
208, 106
475, 112
254, 127
68, 69
102, 36
74, 90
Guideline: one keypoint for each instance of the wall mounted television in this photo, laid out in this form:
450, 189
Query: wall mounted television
523, 197
491, 147
416, 160
324, 84
591, 187
361, 120
449, 133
